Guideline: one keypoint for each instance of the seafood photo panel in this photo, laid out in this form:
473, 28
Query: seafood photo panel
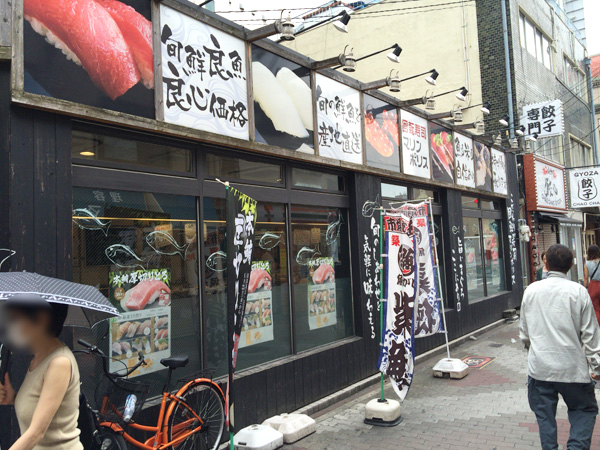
483, 166
442, 153
382, 134
499, 178
94, 52
283, 105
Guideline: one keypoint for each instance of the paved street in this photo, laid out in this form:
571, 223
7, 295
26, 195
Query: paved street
486, 410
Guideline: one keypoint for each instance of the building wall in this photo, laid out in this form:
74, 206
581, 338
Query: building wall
420, 29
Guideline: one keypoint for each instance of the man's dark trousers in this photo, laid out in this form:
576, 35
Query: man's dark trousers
583, 409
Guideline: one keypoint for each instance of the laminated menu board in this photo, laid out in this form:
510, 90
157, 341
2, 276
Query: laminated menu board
321, 293
143, 298
257, 326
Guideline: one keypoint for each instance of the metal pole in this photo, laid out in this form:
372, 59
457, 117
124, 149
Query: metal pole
588, 66
509, 91
382, 304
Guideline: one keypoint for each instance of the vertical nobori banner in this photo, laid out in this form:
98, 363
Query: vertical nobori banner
428, 317
397, 357
241, 221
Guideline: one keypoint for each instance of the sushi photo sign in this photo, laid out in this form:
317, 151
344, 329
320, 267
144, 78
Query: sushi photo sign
204, 76
382, 134
143, 298
321, 293
257, 326
442, 153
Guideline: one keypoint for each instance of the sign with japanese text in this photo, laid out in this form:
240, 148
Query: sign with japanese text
442, 153
544, 184
545, 119
396, 358
415, 145
499, 180
203, 76
257, 326
583, 187
321, 293
338, 121
483, 166
382, 134
463, 151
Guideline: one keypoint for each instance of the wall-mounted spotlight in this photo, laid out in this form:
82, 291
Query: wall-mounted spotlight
532, 138
520, 131
394, 55
342, 23
485, 108
285, 28
504, 121
462, 95
432, 79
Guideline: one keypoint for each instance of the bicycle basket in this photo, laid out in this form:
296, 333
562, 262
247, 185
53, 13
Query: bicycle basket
112, 394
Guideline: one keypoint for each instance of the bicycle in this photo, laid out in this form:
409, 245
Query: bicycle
192, 418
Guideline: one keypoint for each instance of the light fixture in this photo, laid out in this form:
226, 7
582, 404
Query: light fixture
527, 146
514, 143
87, 153
431, 79
457, 115
498, 139
520, 131
342, 23
429, 103
480, 126
394, 55
504, 121
462, 95
393, 47
392, 81
283, 27
485, 108
532, 138
348, 60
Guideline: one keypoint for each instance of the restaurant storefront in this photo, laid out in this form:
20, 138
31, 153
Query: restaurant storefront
105, 192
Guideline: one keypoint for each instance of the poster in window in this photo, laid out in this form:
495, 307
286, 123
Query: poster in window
321, 293
465, 168
499, 172
283, 104
472, 258
549, 186
415, 145
203, 76
544, 119
583, 187
338, 121
92, 52
257, 326
382, 134
442, 153
143, 298
483, 166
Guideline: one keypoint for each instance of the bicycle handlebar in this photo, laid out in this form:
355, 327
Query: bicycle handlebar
95, 350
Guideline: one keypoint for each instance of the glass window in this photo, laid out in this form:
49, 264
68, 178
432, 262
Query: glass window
539, 46
394, 191
475, 280
140, 250
530, 37
522, 30
266, 331
422, 194
490, 205
439, 249
493, 256
470, 202
303, 178
97, 147
547, 53
242, 169
322, 276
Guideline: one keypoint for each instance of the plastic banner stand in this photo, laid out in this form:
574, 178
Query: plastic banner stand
258, 437
293, 426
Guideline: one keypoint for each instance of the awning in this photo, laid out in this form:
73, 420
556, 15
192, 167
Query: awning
558, 218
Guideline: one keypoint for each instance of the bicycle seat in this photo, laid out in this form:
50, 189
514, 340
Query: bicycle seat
175, 362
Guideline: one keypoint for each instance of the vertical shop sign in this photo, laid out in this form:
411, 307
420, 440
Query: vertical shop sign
465, 169
143, 297
203, 76
458, 268
545, 119
241, 224
321, 293
397, 353
442, 153
499, 180
549, 186
372, 282
583, 187
338, 118
512, 238
257, 326
415, 145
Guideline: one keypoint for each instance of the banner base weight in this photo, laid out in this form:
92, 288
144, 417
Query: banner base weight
450, 368
383, 414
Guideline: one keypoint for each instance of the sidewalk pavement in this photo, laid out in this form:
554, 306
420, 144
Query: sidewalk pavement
487, 410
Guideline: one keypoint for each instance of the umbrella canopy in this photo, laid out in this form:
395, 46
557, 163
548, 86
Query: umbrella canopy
87, 304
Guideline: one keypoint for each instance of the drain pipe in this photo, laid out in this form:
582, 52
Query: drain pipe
509, 90
588, 66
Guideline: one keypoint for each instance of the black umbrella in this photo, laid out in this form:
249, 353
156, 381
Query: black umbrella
87, 305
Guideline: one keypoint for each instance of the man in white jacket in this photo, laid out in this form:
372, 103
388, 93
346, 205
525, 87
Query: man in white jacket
559, 327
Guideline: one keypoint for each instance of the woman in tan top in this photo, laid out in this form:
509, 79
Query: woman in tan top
47, 404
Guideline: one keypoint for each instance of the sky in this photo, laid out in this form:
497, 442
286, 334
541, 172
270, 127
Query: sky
592, 28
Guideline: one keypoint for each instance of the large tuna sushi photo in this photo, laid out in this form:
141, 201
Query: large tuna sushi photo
94, 52
442, 153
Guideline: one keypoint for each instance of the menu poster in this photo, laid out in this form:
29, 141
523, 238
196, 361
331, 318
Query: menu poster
483, 167
382, 134
499, 172
143, 297
465, 169
442, 153
338, 121
415, 145
321, 293
203, 76
257, 326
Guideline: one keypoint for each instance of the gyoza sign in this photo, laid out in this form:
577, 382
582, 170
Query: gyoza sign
545, 119
583, 187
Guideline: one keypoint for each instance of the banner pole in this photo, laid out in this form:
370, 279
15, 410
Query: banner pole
230, 350
381, 303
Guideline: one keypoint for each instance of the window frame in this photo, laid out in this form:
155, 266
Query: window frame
540, 52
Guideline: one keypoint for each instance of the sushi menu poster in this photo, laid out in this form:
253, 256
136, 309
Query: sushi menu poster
321, 293
382, 134
442, 153
257, 326
143, 297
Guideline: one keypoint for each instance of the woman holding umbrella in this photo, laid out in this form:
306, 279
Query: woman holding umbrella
35, 310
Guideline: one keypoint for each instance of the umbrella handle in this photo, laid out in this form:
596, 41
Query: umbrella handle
4, 361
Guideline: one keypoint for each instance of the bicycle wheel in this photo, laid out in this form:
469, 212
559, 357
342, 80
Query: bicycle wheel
203, 399
110, 440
